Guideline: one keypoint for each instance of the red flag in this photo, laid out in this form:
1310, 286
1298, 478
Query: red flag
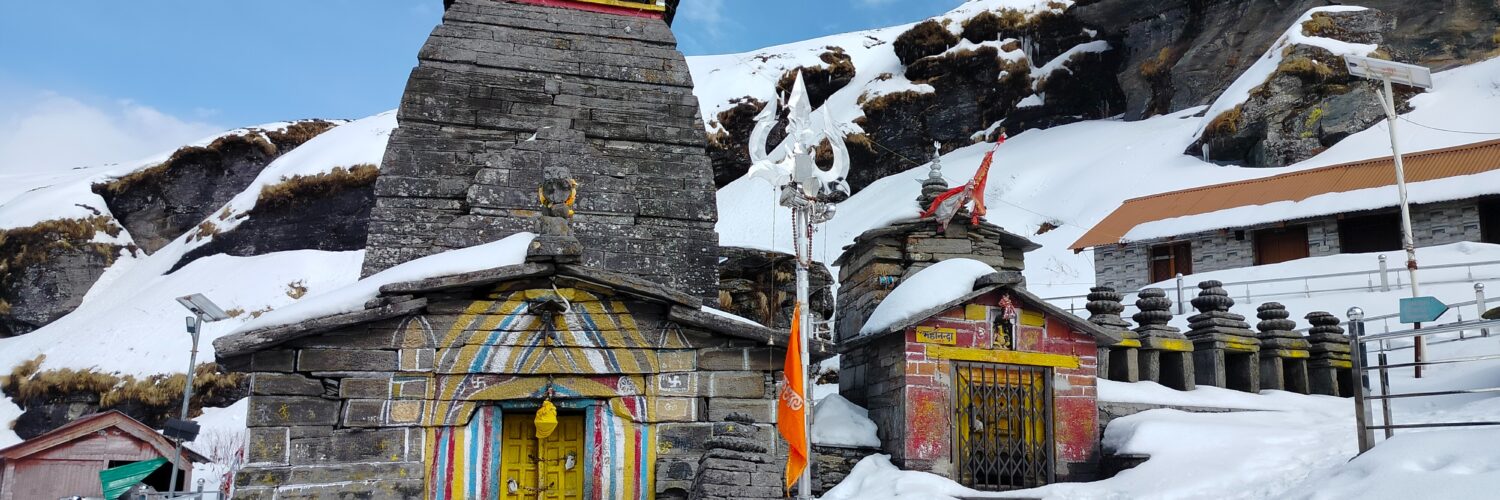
946, 205
791, 420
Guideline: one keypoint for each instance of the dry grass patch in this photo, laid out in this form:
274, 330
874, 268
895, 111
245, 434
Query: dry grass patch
926, 38
1227, 123
1306, 68
28, 385
1321, 24
1158, 66
322, 185
27, 246
296, 289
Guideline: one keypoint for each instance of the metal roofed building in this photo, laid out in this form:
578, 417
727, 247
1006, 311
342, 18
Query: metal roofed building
1338, 209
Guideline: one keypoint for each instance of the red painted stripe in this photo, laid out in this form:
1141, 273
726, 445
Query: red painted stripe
594, 7
448, 474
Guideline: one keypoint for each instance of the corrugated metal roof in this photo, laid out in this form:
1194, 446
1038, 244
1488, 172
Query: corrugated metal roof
1428, 165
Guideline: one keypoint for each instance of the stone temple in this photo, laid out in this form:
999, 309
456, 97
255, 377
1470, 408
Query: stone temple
591, 369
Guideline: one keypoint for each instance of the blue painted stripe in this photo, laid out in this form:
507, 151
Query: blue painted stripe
593, 330
484, 350
474, 451
614, 456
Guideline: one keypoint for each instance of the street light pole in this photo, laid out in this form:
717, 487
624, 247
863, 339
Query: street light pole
194, 324
204, 311
1414, 76
1408, 242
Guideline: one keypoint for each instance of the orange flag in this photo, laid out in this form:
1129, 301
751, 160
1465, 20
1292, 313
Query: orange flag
790, 419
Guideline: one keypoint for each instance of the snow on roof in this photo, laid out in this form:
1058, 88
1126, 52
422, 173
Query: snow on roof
726, 314
838, 422
508, 251
1439, 175
939, 284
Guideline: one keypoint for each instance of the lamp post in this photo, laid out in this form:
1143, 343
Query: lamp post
204, 311
1412, 76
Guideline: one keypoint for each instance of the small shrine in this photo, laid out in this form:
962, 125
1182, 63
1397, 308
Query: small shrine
994, 388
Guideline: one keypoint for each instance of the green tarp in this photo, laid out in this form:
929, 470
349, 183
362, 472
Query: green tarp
119, 479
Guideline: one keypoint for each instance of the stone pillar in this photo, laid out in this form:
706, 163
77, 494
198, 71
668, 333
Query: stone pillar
1328, 368
1225, 352
737, 464
1121, 361
1166, 356
1283, 352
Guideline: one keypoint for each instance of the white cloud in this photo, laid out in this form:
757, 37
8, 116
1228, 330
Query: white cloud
46, 131
708, 13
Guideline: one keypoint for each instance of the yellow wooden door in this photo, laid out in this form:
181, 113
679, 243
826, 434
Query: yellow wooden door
556, 460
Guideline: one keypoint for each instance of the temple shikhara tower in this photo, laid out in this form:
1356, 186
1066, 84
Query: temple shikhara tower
604, 82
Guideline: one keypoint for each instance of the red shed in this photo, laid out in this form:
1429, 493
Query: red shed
66, 461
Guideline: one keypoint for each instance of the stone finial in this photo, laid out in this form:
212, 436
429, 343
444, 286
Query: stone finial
1212, 297
1324, 324
1213, 316
934, 184
1104, 308
1155, 313
1273, 319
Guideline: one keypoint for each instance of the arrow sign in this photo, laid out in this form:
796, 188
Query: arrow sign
1421, 309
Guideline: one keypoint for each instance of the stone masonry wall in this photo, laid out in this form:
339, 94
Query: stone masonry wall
1127, 267
613, 100
873, 376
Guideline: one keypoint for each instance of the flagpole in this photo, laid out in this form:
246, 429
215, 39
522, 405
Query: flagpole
803, 217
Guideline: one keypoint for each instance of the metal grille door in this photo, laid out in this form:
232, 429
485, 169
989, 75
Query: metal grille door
1003, 427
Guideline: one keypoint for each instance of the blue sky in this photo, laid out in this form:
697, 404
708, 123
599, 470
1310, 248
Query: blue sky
139, 77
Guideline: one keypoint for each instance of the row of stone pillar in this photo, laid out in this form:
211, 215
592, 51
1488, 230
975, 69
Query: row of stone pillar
1219, 348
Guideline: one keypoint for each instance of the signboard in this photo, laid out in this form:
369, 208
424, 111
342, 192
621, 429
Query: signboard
116, 480
1421, 309
931, 335
1380, 69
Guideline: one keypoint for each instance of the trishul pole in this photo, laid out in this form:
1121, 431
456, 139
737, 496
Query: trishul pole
805, 213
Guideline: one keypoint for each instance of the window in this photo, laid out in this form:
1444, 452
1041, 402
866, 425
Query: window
1489, 222
1370, 233
1169, 259
1280, 244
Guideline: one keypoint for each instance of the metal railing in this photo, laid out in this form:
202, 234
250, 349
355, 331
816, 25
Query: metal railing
1361, 370
1382, 279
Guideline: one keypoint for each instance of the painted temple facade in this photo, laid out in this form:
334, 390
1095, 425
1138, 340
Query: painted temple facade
994, 389
433, 390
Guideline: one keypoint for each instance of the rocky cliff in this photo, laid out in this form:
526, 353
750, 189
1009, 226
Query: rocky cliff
958, 78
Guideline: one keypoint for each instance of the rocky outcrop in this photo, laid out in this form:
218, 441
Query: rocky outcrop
160, 203
46, 268
329, 211
761, 285
1183, 53
1308, 104
52, 398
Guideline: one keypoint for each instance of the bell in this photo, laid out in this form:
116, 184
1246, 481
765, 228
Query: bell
546, 420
